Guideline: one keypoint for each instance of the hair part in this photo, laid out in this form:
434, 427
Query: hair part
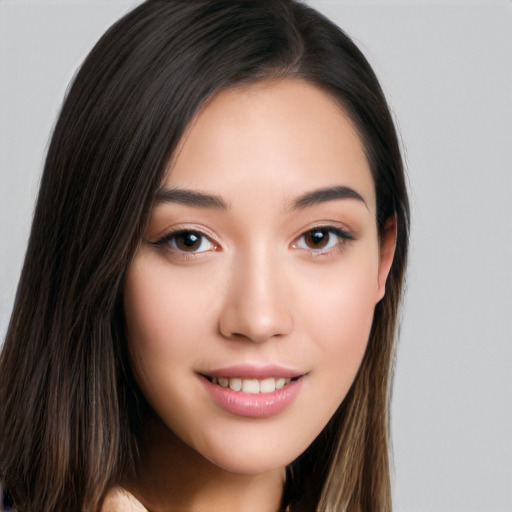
70, 409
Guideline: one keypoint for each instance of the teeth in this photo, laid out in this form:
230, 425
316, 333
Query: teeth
253, 386
235, 384
281, 383
250, 386
267, 386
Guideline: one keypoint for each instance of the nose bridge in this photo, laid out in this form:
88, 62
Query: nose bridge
256, 305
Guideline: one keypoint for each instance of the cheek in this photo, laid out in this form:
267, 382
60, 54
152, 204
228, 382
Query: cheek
164, 333
337, 315
162, 322
343, 340
163, 306
338, 302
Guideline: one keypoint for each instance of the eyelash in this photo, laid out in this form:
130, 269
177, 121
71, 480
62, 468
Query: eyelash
343, 238
169, 241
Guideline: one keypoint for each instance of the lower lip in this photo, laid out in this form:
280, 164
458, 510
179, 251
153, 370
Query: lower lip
252, 405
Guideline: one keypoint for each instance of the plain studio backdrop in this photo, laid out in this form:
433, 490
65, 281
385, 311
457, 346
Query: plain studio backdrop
446, 67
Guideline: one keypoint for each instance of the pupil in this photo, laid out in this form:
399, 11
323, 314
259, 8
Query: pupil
318, 238
188, 241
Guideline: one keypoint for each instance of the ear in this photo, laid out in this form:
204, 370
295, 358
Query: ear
387, 253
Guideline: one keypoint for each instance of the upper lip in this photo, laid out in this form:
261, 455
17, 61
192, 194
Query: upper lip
254, 371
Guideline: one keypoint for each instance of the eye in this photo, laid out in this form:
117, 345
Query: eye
187, 241
322, 239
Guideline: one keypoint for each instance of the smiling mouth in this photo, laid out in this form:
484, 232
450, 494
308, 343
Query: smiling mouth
252, 386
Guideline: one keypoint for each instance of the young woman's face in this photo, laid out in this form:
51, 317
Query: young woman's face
260, 270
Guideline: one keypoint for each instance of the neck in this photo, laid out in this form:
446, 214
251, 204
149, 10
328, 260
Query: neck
172, 477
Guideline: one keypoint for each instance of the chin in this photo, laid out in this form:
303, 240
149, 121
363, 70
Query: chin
258, 454
248, 464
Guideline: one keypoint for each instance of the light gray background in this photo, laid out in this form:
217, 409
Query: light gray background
446, 67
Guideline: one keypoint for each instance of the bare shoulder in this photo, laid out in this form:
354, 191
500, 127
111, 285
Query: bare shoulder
120, 500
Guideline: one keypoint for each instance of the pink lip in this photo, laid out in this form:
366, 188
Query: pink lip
252, 405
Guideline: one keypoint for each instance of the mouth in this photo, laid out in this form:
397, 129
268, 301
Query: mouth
252, 391
251, 385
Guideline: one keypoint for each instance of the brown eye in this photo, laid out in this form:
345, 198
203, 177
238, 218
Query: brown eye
317, 238
186, 241
322, 239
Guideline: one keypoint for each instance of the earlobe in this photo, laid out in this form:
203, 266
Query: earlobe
387, 253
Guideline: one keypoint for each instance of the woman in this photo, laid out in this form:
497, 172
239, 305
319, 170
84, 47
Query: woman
206, 312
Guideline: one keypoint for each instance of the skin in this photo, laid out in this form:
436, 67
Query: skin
254, 290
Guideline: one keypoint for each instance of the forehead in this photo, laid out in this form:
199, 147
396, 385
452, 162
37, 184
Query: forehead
286, 135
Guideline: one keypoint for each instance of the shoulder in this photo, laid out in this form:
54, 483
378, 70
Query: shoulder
120, 500
117, 500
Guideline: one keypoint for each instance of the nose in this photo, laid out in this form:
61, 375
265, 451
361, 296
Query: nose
256, 305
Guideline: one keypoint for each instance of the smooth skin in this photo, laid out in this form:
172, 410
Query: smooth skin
260, 269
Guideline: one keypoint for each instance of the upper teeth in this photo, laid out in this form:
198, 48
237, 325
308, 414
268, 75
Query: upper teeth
251, 385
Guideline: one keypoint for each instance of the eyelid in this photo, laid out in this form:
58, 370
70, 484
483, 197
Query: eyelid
344, 237
163, 241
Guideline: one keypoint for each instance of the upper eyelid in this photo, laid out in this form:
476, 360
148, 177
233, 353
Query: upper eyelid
163, 244
344, 239
173, 231
336, 228
342, 233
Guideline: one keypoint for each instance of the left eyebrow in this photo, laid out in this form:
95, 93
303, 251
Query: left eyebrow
323, 195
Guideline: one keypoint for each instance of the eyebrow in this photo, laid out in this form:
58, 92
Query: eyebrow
211, 201
190, 198
326, 194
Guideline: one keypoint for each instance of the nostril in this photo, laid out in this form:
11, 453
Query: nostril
255, 316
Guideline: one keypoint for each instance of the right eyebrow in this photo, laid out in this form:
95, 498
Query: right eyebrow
190, 198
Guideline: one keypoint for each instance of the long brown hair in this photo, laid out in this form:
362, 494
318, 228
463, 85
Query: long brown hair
70, 411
